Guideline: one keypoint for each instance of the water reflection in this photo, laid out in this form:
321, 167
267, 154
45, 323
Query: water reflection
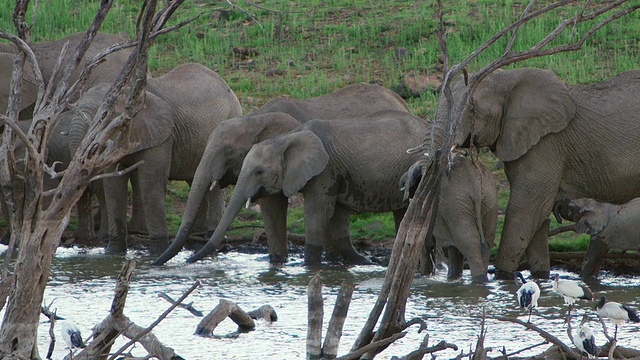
82, 285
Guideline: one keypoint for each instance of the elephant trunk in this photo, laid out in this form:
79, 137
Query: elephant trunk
233, 209
208, 169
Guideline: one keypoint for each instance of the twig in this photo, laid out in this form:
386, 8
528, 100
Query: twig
524, 349
189, 307
372, 346
245, 12
157, 321
52, 343
545, 335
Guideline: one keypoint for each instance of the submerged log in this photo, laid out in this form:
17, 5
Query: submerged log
189, 307
231, 310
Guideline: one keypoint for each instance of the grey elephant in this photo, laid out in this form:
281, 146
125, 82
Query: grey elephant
554, 140
467, 216
338, 166
59, 157
231, 141
610, 226
181, 110
47, 53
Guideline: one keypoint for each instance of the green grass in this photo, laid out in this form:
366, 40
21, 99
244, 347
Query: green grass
322, 45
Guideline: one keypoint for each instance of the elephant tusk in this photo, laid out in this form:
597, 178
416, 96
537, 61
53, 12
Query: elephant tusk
248, 203
402, 188
213, 184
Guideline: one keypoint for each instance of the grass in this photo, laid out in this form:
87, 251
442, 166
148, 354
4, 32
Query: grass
314, 47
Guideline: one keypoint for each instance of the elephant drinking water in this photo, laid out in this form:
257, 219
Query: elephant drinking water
338, 166
231, 141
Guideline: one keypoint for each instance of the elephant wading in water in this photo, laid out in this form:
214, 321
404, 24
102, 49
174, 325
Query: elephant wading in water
467, 216
610, 226
181, 110
338, 166
231, 141
47, 53
555, 141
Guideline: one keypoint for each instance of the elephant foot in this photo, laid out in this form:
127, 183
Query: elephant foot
590, 279
540, 274
278, 259
116, 248
504, 275
157, 245
312, 255
480, 279
357, 259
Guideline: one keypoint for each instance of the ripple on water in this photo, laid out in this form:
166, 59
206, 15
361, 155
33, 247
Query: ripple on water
82, 285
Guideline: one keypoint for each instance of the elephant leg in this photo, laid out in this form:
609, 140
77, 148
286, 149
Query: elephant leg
215, 208
101, 218
115, 193
339, 245
456, 263
85, 229
274, 215
153, 176
469, 243
533, 187
318, 210
596, 252
137, 224
538, 252
398, 215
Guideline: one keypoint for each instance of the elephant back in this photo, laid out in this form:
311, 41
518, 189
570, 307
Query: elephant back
345, 103
197, 93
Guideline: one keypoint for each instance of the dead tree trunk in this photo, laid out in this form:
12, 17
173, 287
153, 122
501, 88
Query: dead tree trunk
37, 227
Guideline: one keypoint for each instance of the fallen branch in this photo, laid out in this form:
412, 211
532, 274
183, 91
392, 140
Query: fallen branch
372, 346
229, 309
189, 307
545, 335
442, 345
264, 312
334, 330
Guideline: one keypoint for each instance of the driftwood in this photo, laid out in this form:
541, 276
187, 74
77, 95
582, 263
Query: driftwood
579, 255
116, 324
315, 311
231, 310
189, 307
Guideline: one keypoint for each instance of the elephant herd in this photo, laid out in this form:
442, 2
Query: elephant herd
346, 151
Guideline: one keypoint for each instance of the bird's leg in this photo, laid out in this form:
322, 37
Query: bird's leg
569, 314
529, 319
615, 334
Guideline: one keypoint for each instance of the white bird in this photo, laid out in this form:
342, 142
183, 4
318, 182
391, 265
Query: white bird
571, 291
528, 294
617, 312
71, 335
584, 340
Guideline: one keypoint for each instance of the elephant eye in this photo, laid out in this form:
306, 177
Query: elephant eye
259, 171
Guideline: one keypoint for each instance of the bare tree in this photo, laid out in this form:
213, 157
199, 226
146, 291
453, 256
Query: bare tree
36, 228
418, 220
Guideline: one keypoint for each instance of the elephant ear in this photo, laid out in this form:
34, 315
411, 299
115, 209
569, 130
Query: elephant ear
304, 158
538, 104
28, 87
153, 124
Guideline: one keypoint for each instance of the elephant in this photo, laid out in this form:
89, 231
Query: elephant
170, 134
337, 165
47, 53
467, 216
610, 226
232, 140
59, 157
555, 141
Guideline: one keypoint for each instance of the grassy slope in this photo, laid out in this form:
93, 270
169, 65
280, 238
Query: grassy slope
313, 47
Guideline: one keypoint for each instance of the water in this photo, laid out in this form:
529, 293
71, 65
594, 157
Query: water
81, 288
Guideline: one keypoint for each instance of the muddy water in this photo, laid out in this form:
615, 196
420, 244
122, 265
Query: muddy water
81, 288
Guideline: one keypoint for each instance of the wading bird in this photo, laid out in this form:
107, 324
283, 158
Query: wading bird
71, 335
571, 291
584, 340
527, 294
617, 312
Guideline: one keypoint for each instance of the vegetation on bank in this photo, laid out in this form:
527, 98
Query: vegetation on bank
314, 47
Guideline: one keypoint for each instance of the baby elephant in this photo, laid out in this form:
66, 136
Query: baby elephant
467, 215
610, 226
